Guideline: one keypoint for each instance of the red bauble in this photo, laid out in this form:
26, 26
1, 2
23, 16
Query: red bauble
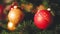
42, 19
1, 11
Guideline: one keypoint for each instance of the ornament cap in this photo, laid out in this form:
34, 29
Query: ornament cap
49, 9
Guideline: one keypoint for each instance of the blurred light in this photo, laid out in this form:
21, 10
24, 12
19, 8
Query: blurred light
48, 9
15, 6
10, 24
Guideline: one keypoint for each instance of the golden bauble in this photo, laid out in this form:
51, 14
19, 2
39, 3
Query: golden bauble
15, 15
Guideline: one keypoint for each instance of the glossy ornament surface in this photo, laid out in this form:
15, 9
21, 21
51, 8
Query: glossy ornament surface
42, 19
1, 12
15, 15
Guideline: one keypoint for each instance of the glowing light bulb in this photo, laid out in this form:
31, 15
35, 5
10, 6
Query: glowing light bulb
48, 9
15, 6
10, 24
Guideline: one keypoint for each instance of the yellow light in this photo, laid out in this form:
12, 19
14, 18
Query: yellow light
10, 24
15, 6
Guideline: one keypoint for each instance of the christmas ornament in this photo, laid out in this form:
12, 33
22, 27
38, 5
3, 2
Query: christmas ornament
11, 26
15, 15
1, 12
42, 18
